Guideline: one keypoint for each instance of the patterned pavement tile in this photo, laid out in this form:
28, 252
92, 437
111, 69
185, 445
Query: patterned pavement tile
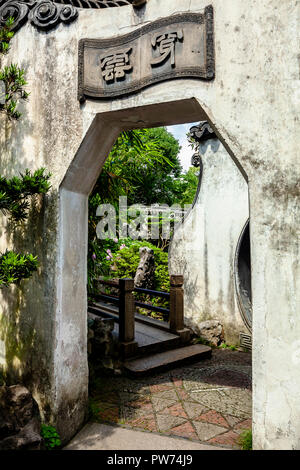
176, 410
138, 389
206, 431
178, 382
184, 430
142, 402
209, 401
246, 424
167, 395
183, 395
230, 378
194, 410
109, 415
148, 424
125, 397
232, 420
194, 385
166, 422
235, 402
128, 412
160, 404
230, 439
160, 387
213, 417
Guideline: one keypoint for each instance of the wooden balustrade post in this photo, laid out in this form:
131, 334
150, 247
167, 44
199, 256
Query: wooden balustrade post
176, 318
126, 317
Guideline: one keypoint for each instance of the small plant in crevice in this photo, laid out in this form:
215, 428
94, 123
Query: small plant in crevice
6, 35
12, 78
203, 341
245, 439
232, 347
50, 436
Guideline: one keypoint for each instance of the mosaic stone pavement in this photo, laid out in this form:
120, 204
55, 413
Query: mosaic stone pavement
209, 401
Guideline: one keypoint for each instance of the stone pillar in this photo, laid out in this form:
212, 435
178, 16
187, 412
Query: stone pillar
177, 308
126, 317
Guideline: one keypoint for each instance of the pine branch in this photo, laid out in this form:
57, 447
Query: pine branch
15, 192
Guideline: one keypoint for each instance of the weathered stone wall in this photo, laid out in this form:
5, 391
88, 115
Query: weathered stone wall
203, 248
253, 105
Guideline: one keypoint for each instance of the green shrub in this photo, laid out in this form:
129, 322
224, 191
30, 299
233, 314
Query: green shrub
120, 259
201, 340
126, 261
50, 436
245, 440
228, 346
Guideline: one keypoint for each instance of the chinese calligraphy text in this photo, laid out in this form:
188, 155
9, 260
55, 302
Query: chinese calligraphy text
114, 66
177, 47
166, 45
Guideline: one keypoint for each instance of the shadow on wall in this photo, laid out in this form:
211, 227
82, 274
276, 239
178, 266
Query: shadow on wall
26, 326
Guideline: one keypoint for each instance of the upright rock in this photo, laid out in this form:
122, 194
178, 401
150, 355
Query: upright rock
19, 420
145, 273
211, 331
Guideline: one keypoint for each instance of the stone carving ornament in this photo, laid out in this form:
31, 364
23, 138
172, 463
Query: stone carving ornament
46, 14
202, 132
199, 134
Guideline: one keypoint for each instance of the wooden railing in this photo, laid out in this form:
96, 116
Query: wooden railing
127, 306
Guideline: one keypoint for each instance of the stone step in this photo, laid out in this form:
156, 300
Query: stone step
167, 360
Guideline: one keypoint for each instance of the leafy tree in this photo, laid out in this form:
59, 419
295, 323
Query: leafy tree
185, 187
144, 166
138, 166
154, 183
141, 166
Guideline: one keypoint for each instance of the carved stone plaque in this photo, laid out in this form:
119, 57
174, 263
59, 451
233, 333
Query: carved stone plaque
175, 47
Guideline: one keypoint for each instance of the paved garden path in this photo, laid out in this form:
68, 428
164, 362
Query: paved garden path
208, 402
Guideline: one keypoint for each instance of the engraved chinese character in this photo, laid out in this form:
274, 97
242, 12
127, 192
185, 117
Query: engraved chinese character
166, 43
115, 65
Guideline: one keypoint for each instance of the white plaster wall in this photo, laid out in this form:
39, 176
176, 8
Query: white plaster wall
253, 105
203, 248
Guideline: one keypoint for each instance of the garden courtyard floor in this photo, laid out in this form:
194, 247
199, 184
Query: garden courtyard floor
208, 402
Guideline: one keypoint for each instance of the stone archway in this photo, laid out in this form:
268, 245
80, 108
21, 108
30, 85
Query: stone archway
244, 103
78, 182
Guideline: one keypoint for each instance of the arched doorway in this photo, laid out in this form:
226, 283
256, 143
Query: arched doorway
78, 182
